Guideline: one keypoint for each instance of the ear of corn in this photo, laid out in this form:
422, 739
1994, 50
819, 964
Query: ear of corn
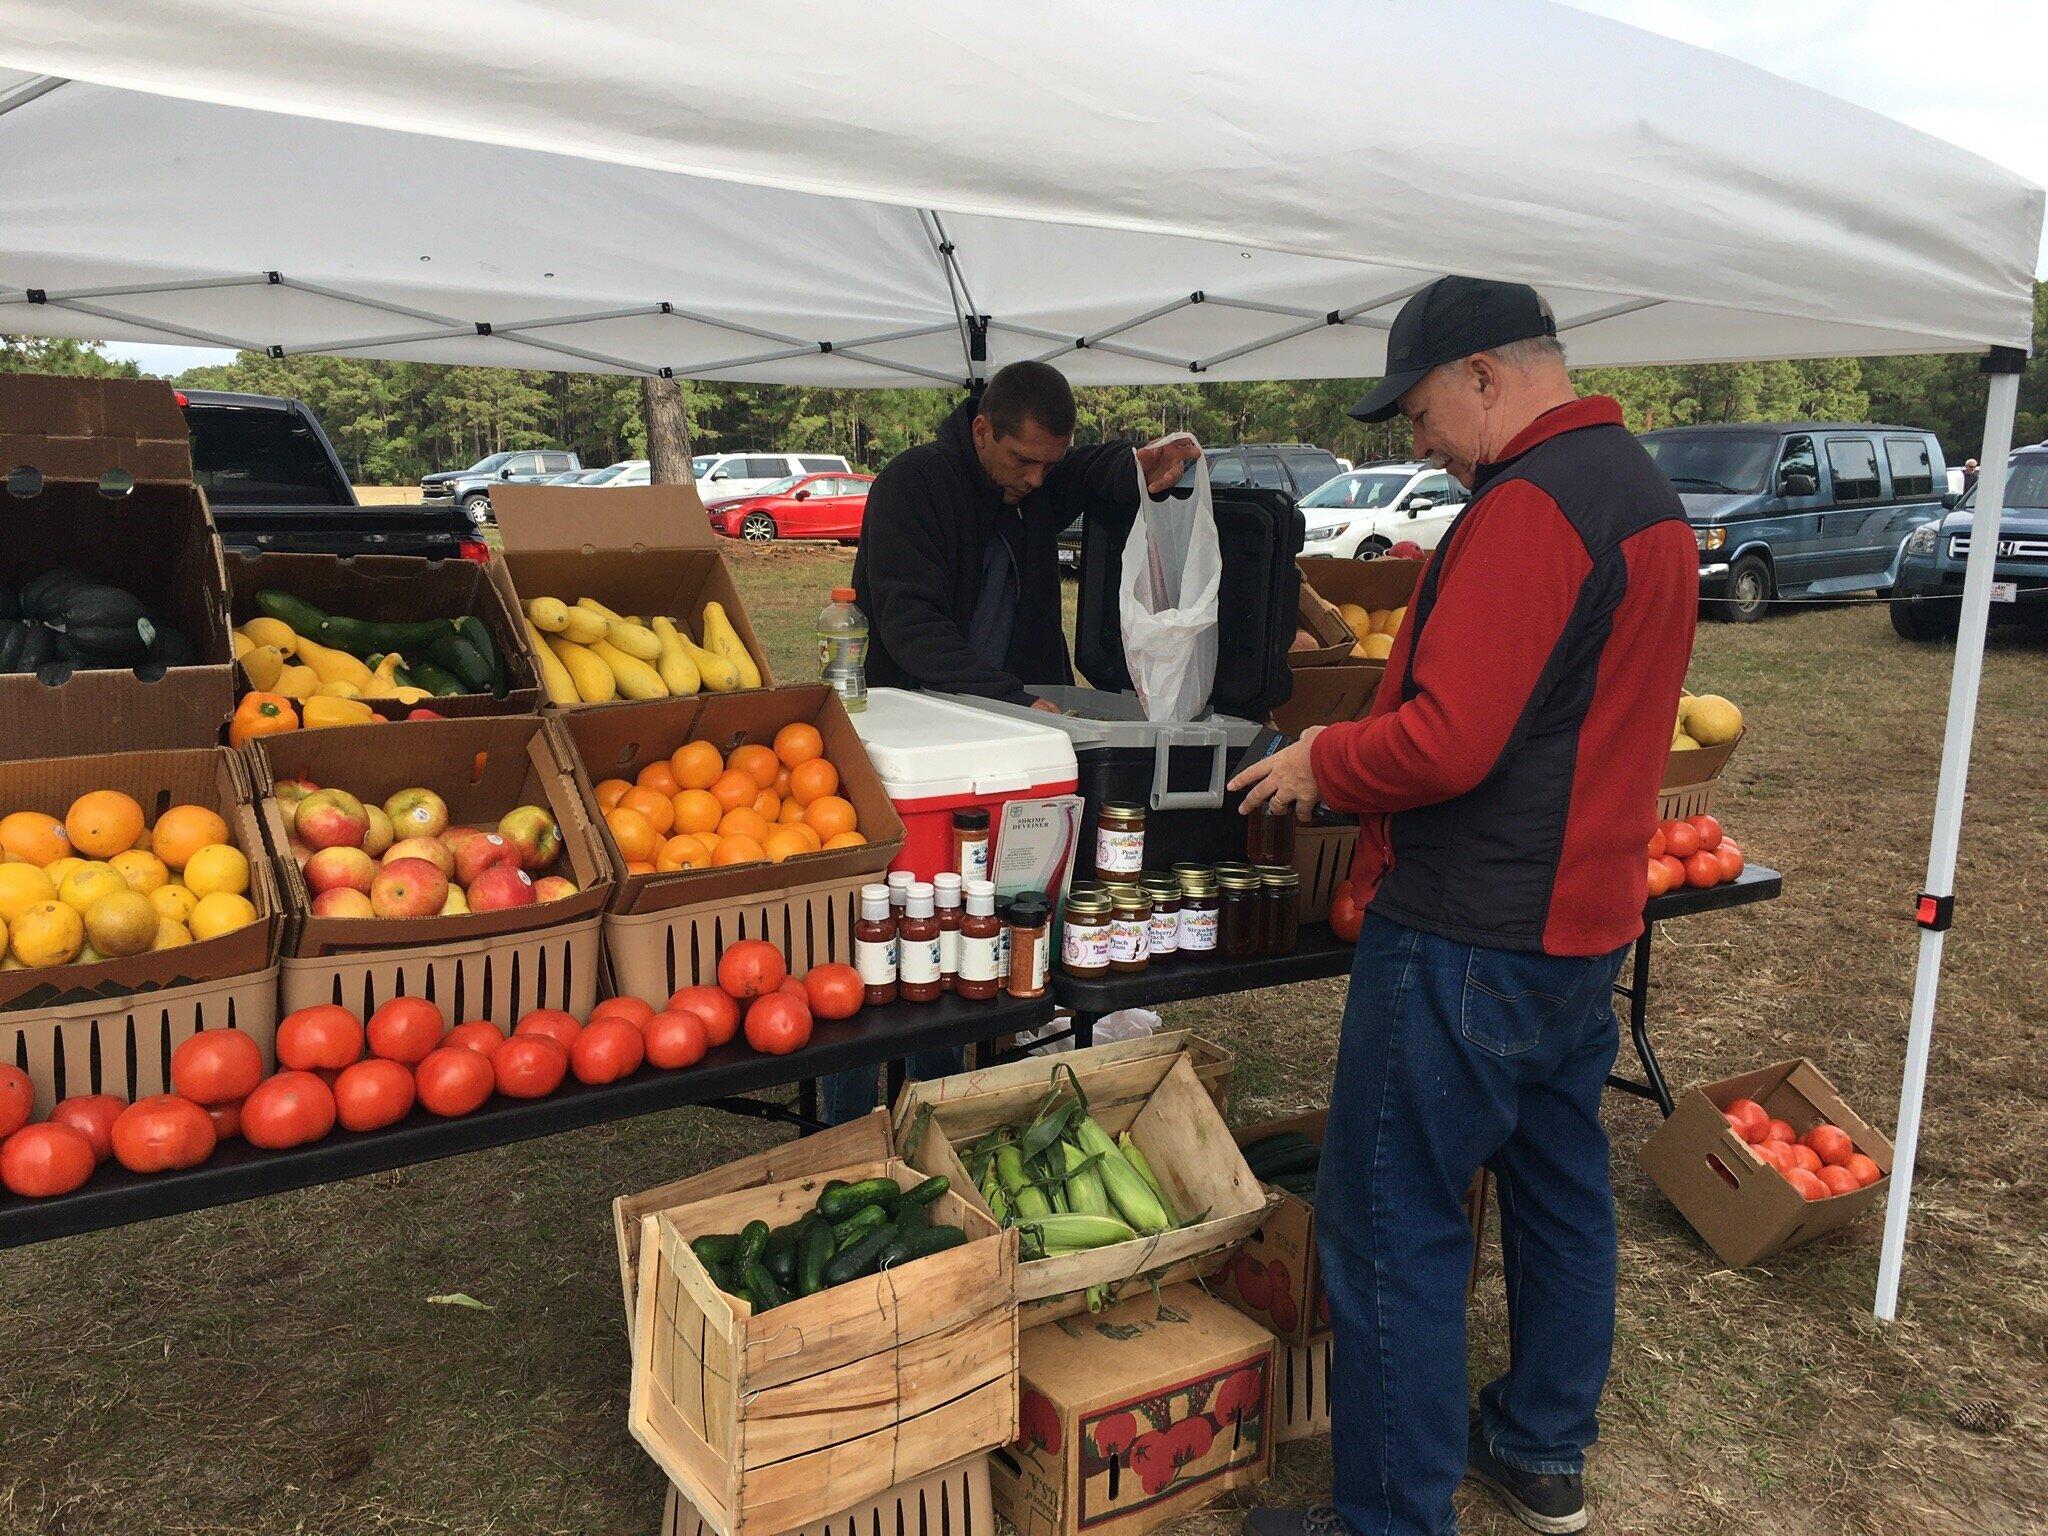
1135, 1156
1084, 1184
1122, 1183
1076, 1233
1028, 1199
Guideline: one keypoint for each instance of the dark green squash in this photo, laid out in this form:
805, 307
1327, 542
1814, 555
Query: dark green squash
105, 627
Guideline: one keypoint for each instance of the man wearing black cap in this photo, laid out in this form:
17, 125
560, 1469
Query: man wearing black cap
1505, 783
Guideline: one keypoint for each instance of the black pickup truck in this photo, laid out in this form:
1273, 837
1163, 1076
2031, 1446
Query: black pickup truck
274, 482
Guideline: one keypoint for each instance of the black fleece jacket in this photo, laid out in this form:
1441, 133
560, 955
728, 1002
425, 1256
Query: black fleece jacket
929, 517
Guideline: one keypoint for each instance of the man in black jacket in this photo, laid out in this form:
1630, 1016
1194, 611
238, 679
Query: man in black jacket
958, 570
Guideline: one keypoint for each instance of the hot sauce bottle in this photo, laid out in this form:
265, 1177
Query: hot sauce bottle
874, 946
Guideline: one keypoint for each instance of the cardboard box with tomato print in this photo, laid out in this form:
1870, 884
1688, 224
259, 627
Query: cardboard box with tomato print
1136, 1416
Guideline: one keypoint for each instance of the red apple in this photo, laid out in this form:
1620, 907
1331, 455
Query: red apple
486, 850
331, 818
343, 901
408, 888
432, 849
554, 888
455, 905
500, 886
288, 793
1407, 549
533, 832
340, 869
380, 835
417, 813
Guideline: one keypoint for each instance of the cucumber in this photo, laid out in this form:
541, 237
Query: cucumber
814, 1251
925, 1193
1285, 1152
365, 637
458, 656
861, 1258
715, 1248
300, 616
858, 1225
778, 1254
838, 1204
478, 634
436, 680
13, 636
919, 1243
763, 1291
753, 1238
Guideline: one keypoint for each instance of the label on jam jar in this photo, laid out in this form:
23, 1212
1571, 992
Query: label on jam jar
1197, 928
917, 960
875, 962
1128, 938
1164, 936
1084, 947
1118, 852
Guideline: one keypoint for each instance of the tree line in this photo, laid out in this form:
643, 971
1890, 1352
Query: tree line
393, 422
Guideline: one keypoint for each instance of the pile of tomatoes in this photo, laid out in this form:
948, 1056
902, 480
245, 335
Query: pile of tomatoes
1693, 852
1820, 1165
334, 1069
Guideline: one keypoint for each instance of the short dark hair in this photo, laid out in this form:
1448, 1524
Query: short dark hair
1037, 390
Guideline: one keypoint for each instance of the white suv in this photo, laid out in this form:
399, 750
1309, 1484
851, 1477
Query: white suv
1369, 510
729, 476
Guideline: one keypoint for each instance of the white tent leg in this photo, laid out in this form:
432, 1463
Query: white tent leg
1948, 812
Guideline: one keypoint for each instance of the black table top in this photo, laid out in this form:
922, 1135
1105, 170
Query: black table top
238, 1171
1321, 954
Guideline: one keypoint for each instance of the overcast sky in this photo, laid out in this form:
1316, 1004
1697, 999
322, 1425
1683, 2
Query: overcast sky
1967, 71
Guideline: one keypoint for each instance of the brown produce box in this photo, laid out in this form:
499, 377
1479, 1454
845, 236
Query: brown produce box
642, 550
1342, 688
770, 1422
58, 437
400, 588
1136, 1416
1326, 695
1316, 615
1746, 1210
619, 741
1382, 583
953, 1501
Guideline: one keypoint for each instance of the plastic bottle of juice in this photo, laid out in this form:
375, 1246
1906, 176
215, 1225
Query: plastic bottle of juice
843, 650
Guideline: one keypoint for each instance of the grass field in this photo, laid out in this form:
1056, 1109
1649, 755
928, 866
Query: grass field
278, 1367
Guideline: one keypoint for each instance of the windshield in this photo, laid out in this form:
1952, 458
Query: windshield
1356, 492
781, 487
700, 466
247, 456
485, 466
1715, 463
2026, 487
604, 476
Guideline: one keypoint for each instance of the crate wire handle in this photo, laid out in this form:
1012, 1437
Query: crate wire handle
1209, 736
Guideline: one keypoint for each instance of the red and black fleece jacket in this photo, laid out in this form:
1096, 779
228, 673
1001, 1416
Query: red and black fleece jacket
1506, 778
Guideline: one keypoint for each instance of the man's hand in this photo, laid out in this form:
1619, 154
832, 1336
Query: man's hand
1163, 462
1285, 779
1047, 705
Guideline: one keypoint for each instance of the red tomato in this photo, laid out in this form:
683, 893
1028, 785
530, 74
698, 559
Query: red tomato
778, 1024
373, 1094
632, 1010
1808, 1185
833, 991
792, 987
1830, 1143
227, 1120
1864, 1170
1840, 1181
1775, 1153
560, 1027
1780, 1130
1805, 1157
1681, 839
94, 1114
1676, 866
714, 1005
162, 1131
1708, 829
39, 1161
454, 1082
1703, 870
750, 968
531, 1067
1659, 879
1657, 843
288, 1110
1347, 917
17, 1099
1729, 857
607, 1050
479, 1035
216, 1066
675, 1039
406, 1029
1750, 1117
325, 1036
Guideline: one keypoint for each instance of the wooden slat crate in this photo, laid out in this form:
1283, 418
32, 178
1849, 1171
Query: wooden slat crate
953, 1501
501, 979
654, 953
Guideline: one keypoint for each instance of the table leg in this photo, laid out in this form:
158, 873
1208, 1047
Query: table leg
896, 1072
1084, 1030
807, 1098
1653, 1087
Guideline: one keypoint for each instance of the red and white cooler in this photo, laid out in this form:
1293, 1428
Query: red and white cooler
936, 757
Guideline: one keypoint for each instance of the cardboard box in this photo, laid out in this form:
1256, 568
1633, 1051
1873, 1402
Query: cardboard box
618, 742
1326, 695
651, 954
642, 550
155, 541
1745, 1209
1301, 1390
1332, 688
401, 588
1315, 614
1136, 1416
1382, 583
953, 1501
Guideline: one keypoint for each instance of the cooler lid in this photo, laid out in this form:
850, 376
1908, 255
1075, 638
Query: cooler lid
927, 745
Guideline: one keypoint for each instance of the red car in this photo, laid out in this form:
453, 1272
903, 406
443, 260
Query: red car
801, 507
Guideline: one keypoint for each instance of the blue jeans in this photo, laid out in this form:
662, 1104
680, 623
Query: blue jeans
851, 1094
1453, 1056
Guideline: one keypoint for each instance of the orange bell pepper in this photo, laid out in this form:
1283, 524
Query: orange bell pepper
261, 714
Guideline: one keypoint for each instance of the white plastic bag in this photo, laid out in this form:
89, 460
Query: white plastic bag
1173, 569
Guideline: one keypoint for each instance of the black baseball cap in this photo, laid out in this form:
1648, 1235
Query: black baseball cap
1452, 318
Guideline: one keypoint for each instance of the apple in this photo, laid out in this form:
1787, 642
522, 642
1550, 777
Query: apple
456, 904
432, 849
343, 901
331, 818
288, 793
553, 888
486, 850
533, 832
380, 836
342, 868
408, 888
499, 886
1407, 549
417, 813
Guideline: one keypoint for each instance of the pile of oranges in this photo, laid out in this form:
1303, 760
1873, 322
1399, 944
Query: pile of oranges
699, 809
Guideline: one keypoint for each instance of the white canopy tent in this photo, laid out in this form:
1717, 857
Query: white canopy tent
875, 192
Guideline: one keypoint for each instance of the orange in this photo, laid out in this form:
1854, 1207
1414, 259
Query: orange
744, 823
798, 743
639, 867
783, 843
737, 850
659, 777
696, 810
810, 837
782, 782
144, 872
845, 840
813, 780
828, 815
633, 832
734, 788
33, 838
21, 887
757, 760
791, 813
183, 830
609, 792
695, 764
222, 912
682, 852
769, 804
103, 823
221, 867
652, 804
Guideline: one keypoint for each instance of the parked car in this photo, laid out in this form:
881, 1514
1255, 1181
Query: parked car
1800, 509
625, 472
723, 476
274, 482
799, 507
1368, 511
1926, 601
1296, 468
470, 489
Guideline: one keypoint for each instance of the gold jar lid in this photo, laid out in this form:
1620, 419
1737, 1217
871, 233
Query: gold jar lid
1160, 887
1087, 903
1120, 811
1278, 875
1129, 899
1234, 880
1201, 883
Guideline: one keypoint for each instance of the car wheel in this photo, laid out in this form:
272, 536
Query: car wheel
1373, 547
477, 509
758, 527
1749, 590
1923, 621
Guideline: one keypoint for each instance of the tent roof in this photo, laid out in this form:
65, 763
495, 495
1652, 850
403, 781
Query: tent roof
721, 189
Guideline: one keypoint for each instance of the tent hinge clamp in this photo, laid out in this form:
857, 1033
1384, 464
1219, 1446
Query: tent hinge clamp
38, 295
273, 278
483, 327
2004, 360
824, 346
274, 353
1937, 914
1334, 317
977, 338
664, 373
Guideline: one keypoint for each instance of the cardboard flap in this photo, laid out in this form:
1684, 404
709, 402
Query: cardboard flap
1699, 765
562, 519
76, 429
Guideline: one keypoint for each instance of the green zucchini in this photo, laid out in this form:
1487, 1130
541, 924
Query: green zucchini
458, 656
858, 1225
300, 616
861, 1258
436, 680
715, 1248
1284, 1152
39, 647
814, 1251
763, 1290
478, 634
919, 1243
753, 1238
838, 1204
365, 637
13, 637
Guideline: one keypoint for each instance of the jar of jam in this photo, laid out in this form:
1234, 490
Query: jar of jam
1200, 905
1237, 917
1084, 932
1030, 929
1119, 842
1269, 836
1279, 909
1130, 928
1163, 938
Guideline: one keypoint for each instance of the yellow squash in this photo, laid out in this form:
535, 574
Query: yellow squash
554, 677
675, 666
720, 636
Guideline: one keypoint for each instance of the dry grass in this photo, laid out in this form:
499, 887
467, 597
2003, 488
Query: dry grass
276, 1367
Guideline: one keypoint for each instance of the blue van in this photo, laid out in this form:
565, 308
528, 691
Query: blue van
1800, 509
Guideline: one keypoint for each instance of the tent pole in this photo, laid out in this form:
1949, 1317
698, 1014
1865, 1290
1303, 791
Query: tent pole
2004, 365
